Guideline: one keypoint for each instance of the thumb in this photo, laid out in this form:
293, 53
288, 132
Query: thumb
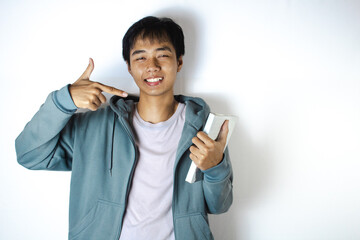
223, 132
88, 70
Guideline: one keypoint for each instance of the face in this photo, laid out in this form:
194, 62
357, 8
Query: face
154, 67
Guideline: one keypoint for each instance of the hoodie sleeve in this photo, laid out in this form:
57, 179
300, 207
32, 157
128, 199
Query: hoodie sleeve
217, 185
46, 142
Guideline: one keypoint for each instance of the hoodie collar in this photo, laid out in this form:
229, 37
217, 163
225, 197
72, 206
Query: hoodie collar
195, 116
196, 108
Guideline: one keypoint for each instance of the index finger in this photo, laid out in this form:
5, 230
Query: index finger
204, 138
112, 90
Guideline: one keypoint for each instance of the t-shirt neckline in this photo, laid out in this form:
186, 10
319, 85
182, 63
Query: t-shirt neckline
163, 124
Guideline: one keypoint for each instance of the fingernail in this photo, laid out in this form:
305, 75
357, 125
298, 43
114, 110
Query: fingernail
125, 94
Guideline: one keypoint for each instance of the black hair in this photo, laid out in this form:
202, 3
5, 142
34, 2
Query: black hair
153, 28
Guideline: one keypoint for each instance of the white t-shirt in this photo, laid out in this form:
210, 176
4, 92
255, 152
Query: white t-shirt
149, 210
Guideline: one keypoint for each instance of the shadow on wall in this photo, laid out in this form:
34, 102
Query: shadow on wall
251, 167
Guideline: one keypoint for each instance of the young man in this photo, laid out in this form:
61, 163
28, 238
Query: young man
129, 160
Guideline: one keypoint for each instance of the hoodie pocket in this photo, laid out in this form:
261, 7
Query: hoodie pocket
101, 222
193, 227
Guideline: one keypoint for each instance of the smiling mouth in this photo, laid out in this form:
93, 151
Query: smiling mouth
154, 80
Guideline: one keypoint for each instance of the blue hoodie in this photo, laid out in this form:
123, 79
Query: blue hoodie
100, 150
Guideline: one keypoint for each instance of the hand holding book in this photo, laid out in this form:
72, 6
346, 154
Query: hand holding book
205, 153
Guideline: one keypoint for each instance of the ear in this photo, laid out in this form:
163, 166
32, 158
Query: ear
180, 63
128, 67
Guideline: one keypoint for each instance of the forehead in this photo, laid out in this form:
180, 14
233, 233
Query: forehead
150, 43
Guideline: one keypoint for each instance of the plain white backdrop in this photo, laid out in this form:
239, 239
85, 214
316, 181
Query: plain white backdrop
290, 70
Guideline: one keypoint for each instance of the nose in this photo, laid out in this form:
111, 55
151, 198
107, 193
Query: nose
153, 65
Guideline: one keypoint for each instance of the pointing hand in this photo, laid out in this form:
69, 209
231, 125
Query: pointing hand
88, 94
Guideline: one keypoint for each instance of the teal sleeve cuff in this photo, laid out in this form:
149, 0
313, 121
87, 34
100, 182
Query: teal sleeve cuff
63, 100
219, 172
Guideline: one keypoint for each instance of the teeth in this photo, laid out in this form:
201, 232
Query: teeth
153, 79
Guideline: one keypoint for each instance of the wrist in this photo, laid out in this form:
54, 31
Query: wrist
63, 100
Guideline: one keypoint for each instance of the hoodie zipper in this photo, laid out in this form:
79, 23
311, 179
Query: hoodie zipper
177, 160
131, 173
112, 146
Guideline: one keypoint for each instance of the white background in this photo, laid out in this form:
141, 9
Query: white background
290, 70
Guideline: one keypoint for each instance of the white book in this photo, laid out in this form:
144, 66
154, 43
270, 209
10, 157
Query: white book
212, 128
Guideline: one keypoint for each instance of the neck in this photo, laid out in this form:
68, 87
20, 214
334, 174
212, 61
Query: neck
156, 109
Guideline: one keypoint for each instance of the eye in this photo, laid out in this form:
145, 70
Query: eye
164, 55
140, 58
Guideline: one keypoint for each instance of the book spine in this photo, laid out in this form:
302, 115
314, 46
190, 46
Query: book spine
191, 176
209, 123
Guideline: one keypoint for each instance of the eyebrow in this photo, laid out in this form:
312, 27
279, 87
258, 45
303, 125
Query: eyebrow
165, 48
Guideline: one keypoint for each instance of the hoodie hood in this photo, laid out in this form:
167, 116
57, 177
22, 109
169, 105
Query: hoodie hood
123, 106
